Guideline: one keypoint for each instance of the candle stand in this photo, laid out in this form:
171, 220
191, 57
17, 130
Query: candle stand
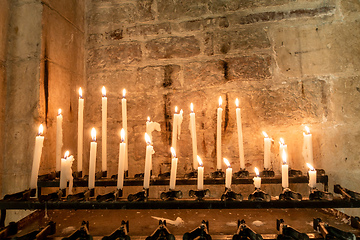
139, 175
9, 230
41, 233
161, 232
294, 173
244, 232
267, 173
80, 233
355, 222
346, 193
82, 196
55, 196
23, 195
77, 175
48, 177
164, 175
320, 172
231, 195
286, 232
201, 232
218, 174
100, 175
330, 232
106, 197
192, 174
242, 173
259, 195
171, 195
199, 194
120, 233
288, 194
316, 194
140, 196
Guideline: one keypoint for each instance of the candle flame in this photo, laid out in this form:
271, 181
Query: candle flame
307, 129
257, 172
147, 139
93, 134
103, 91
282, 142
192, 107
284, 157
66, 154
148, 119
59, 111
265, 135
80, 92
227, 162
176, 109
41, 129
122, 135
124, 93
199, 161
311, 167
173, 153
220, 101
237, 102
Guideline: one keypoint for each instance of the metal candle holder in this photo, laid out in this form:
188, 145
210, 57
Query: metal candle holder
218, 174
120, 233
164, 175
294, 173
140, 196
231, 195
242, 173
245, 232
82, 196
201, 232
199, 194
286, 232
23, 195
288, 194
99, 175
316, 194
106, 197
259, 195
161, 232
77, 175
47, 177
192, 174
171, 195
55, 196
330, 232
267, 173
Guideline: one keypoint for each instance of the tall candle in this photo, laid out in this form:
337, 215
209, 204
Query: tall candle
80, 131
200, 175
124, 123
312, 176
92, 163
308, 147
257, 179
121, 165
228, 174
267, 146
149, 152
218, 135
285, 171
59, 139
66, 172
151, 126
178, 117
193, 135
240, 135
174, 162
104, 131
282, 147
39, 142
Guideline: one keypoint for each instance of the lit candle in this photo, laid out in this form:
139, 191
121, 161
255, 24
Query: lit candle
218, 135
267, 146
66, 172
124, 123
80, 131
174, 162
92, 164
312, 176
228, 174
178, 117
240, 135
193, 135
39, 142
308, 147
121, 165
59, 139
151, 126
149, 152
285, 171
282, 146
104, 131
257, 179
200, 175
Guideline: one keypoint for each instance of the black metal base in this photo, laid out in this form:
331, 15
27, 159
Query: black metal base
21, 196
161, 233
287, 232
355, 222
141, 175
140, 196
287, 194
201, 232
80, 233
294, 173
244, 232
121, 233
164, 175
118, 193
126, 174
241, 174
192, 174
346, 193
82, 196
171, 195
47, 177
218, 174
330, 232
231, 195
106, 197
57, 174
320, 172
267, 173
55, 196
316, 194
77, 175
199, 194
259, 195
100, 175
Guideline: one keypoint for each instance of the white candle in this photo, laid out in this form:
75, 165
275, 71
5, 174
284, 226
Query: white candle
174, 162
152, 126
282, 147
66, 172
218, 135
92, 164
257, 179
80, 131
312, 176
308, 147
39, 142
193, 135
178, 117
149, 152
121, 165
285, 171
267, 146
228, 174
59, 139
104, 131
124, 123
240, 135
200, 175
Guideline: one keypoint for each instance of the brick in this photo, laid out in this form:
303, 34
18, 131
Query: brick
144, 10
179, 9
173, 47
149, 29
203, 74
153, 78
204, 24
106, 37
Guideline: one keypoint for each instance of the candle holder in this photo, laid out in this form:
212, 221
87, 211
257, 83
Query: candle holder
231, 195
161, 232
57, 174
287, 194
242, 173
100, 175
21, 196
320, 172
218, 174
294, 173
120, 233
201, 232
192, 174
77, 175
199, 194
267, 173
171, 195
82, 196
106, 197
48, 177
126, 174
329, 232
139, 175
287, 232
164, 175
316, 194
140, 196
346, 193
245, 232
259, 195
355, 222
55, 196
118, 193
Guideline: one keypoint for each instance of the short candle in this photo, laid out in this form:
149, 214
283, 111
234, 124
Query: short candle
312, 176
174, 162
257, 179
92, 163
285, 171
39, 142
228, 174
267, 147
282, 146
200, 176
308, 147
121, 164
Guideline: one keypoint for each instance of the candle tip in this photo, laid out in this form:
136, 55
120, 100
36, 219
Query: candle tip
237, 102
176, 109
103, 91
66, 154
284, 157
310, 167
307, 129
59, 111
147, 139
192, 107
265, 135
148, 119
173, 153
124, 93
93, 134
220, 101
282, 142
41, 129
257, 172
122, 135
199, 161
80, 92
227, 162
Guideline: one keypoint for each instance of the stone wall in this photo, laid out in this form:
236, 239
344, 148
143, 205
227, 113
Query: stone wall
290, 63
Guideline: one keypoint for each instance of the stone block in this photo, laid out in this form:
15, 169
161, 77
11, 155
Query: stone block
101, 15
220, 6
105, 37
204, 24
208, 40
4, 21
152, 79
173, 47
168, 10
148, 29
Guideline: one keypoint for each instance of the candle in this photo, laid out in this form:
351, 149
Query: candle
282, 146
218, 135
257, 179
200, 175
92, 164
178, 117
104, 130
267, 146
308, 147
124, 123
59, 139
228, 174
193, 135
39, 142
66, 172
149, 152
312, 176
80, 131
285, 171
151, 126
121, 165
174, 162
240, 135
